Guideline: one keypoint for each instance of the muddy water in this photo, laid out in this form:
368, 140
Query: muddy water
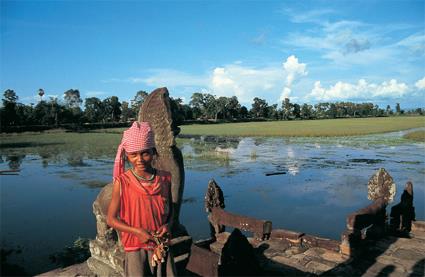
317, 182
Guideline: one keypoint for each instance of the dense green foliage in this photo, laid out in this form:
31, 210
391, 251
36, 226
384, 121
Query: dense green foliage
203, 107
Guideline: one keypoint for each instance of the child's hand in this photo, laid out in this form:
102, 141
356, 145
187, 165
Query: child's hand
143, 236
163, 231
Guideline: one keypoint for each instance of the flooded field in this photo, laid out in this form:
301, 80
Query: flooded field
48, 205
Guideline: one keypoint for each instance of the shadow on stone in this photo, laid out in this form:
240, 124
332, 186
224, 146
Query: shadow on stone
238, 257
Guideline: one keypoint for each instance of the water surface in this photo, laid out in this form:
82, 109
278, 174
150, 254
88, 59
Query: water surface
48, 205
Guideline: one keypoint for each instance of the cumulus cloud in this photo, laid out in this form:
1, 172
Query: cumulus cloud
361, 91
245, 82
292, 69
420, 84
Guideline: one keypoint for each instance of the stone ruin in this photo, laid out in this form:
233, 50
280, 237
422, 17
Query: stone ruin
107, 254
370, 221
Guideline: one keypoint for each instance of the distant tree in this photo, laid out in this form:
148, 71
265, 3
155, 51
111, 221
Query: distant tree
397, 108
233, 107
259, 108
198, 104
273, 112
205, 104
72, 98
332, 112
296, 111
188, 113
211, 109
196, 112
243, 112
287, 109
72, 104
176, 106
126, 112
221, 104
306, 111
42, 113
94, 110
54, 110
9, 95
137, 102
388, 110
112, 109
8, 111
321, 109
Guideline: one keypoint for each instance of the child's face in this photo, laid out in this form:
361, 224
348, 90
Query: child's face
142, 159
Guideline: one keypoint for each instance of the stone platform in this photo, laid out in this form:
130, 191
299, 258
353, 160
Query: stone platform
389, 256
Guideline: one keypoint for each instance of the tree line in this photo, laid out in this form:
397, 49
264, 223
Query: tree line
202, 107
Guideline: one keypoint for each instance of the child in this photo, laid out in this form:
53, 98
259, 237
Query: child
142, 197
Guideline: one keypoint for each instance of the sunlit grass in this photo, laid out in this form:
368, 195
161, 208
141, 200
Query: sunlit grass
307, 128
55, 143
417, 136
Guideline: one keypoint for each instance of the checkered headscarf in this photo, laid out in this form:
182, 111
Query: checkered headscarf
137, 138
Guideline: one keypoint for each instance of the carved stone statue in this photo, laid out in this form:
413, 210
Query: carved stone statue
381, 185
214, 199
403, 213
156, 110
107, 255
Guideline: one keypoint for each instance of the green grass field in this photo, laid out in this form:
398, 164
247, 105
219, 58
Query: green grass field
307, 128
416, 135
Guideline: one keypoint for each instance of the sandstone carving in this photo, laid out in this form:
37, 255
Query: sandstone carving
156, 110
214, 196
381, 184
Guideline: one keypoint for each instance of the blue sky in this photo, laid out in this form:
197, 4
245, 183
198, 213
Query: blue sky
309, 51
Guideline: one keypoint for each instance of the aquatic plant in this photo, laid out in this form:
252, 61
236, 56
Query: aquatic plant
77, 253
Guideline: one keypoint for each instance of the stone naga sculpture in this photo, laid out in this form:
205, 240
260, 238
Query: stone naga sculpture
156, 110
381, 190
107, 255
381, 185
214, 198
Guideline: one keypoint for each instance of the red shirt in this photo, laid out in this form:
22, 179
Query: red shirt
144, 204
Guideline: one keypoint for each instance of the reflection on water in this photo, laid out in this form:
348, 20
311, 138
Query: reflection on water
49, 204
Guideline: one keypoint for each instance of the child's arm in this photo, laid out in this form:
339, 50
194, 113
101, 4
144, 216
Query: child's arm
166, 229
117, 224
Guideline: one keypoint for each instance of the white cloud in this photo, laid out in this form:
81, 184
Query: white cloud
345, 42
415, 44
292, 69
360, 91
420, 84
245, 82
